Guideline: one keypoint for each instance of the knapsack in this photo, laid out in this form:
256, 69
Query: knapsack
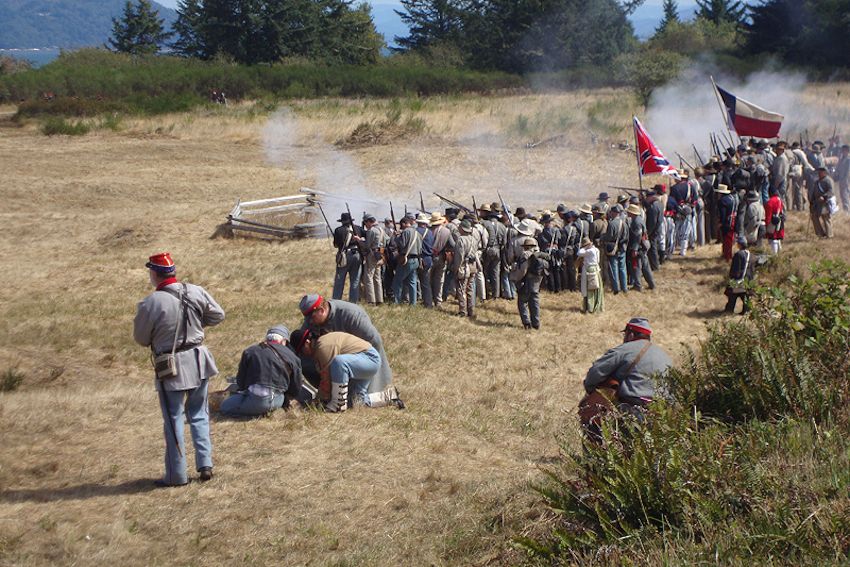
538, 264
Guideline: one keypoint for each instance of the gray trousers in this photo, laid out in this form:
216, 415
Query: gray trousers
425, 285
528, 301
492, 266
373, 282
437, 276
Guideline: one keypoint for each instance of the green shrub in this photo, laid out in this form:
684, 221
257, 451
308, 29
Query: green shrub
791, 356
61, 127
747, 464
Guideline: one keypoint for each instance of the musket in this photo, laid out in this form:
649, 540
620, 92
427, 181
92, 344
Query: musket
347, 208
321, 210
405, 210
834, 132
683, 160
696, 152
475, 209
422, 204
629, 189
505, 211
454, 204
715, 147
392, 216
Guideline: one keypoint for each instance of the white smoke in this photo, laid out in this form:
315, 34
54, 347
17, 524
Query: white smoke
687, 111
319, 165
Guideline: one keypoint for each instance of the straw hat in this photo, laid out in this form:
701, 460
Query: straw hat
722, 189
526, 227
422, 218
437, 219
585, 208
634, 210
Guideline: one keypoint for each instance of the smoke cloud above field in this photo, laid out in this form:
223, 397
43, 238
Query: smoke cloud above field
686, 111
481, 164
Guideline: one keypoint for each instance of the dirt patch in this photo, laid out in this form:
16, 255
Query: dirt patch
125, 237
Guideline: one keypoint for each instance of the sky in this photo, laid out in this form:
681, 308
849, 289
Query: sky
645, 18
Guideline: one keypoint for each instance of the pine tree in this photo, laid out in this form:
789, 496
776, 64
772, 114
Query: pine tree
671, 14
189, 40
429, 22
720, 11
139, 31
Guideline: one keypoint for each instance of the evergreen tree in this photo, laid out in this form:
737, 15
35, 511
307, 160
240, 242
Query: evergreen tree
189, 40
429, 22
139, 31
671, 14
720, 11
264, 31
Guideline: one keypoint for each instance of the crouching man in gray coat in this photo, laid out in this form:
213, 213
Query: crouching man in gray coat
172, 319
623, 378
322, 316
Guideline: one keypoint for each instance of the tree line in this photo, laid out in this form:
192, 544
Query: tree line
516, 36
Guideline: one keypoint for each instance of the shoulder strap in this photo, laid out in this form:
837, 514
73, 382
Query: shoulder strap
637, 358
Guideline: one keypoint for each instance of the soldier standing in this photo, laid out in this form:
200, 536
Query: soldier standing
170, 321
492, 256
615, 241
374, 261
349, 261
842, 173
550, 242
528, 271
408, 248
637, 247
820, 196
443, 243
426, 259
465, 265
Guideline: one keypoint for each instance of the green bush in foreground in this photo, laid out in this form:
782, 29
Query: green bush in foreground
62, 127
748, 464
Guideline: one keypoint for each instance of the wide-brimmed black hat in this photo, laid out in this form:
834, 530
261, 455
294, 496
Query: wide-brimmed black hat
344, 217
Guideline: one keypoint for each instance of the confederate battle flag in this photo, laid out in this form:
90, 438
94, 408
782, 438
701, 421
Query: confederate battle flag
650, 158
747, 119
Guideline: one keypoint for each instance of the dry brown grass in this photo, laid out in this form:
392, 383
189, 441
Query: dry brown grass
444, 482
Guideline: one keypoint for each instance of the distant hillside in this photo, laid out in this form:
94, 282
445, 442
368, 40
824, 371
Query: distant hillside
62, 23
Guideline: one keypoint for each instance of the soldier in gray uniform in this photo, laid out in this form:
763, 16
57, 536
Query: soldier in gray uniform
442, 247
408, 248
465, 265
637, 261
842, 173
374, 251
172, 320
624, 378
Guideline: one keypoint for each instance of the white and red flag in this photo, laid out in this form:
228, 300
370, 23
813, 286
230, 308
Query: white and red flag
748, 119
650, 158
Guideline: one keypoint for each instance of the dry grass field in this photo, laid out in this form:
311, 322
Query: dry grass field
444, 482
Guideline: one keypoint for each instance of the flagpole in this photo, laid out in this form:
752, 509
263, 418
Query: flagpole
637, 153
723, 111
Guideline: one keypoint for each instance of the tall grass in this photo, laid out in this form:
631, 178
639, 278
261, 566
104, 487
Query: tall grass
747, 464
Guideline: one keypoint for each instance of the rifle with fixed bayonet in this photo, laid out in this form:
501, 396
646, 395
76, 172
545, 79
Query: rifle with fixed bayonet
475, 209
629, 189
392, 216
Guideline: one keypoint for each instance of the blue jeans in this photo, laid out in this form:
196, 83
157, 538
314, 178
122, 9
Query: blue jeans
351, 271
247, 404
357, 371
406, 276
508, 287
618, 272
173, 404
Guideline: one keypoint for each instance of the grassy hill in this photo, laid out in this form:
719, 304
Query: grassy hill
445, 482
62, 23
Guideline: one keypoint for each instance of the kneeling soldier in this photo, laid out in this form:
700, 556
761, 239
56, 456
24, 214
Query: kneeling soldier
623, 378
269, 377
344, 360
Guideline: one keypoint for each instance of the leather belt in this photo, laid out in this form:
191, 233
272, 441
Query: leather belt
181, 349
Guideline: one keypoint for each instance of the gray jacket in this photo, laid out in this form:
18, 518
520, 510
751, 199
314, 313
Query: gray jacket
156, 320
637, 383
350, 318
